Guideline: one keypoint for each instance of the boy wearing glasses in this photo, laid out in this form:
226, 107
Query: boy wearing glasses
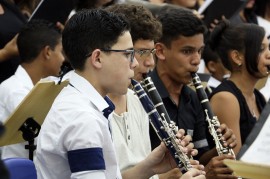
130, 122
75, 139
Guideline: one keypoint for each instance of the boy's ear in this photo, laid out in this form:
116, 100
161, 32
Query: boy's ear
46, 52
95, 58
160, 50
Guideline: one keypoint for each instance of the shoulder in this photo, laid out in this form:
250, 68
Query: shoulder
11, 83
223, 97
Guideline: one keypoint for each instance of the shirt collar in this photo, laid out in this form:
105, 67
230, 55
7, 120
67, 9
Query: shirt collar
24, 77
162, 89
213, 82
159, 84
86, 88
107, 111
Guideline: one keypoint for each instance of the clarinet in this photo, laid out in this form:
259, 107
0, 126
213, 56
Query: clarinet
213, 122
152, 92
162, 128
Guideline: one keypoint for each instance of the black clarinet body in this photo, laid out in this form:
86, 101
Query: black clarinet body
213, 122
152, 92
162, 128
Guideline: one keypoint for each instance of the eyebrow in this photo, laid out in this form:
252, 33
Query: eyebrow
190, 47
145, 48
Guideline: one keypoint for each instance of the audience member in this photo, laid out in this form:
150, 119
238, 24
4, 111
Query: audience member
40, 49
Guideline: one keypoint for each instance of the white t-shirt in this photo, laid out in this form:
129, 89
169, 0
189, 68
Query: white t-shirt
131, 133
75, 140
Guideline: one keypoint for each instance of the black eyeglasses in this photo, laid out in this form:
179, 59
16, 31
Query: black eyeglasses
129, 53
145, 52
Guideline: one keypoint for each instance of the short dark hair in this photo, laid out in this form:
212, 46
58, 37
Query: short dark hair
90, 4
88, 30
143, 24
245, 38
178, 22
34, 36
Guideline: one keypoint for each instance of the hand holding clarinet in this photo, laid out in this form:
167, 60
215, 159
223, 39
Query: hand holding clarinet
166, 130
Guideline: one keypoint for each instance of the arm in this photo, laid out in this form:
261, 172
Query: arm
9, 50
159, 161
226, 107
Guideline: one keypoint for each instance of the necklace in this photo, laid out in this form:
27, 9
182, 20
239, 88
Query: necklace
254, 114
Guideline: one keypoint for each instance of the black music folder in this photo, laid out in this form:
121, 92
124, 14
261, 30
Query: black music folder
215, 9
253, 160
54, 10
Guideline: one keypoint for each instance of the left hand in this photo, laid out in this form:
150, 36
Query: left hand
185, 141
227, 136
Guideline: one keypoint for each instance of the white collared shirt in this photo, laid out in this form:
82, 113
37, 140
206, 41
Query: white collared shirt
12, 91
76, 123
213, 82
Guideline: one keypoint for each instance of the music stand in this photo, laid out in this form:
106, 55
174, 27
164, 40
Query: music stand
25, 122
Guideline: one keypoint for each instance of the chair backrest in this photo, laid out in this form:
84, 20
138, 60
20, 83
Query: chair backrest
21, 168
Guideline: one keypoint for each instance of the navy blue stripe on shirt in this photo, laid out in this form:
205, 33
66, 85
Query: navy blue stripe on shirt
86, 159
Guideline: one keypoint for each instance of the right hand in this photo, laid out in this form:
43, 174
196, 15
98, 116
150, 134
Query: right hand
216, 169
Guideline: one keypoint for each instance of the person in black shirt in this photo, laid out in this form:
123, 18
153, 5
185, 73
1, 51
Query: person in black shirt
178, 54
244, 50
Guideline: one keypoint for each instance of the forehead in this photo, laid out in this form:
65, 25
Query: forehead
195, 41
147, 44
124, 41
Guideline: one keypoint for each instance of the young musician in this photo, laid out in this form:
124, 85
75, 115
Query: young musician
75, 140
178, 54
40, 49
215, 67
130, 122
244, 50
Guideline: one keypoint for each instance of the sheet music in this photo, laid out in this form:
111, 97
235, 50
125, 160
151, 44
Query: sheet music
258, 152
